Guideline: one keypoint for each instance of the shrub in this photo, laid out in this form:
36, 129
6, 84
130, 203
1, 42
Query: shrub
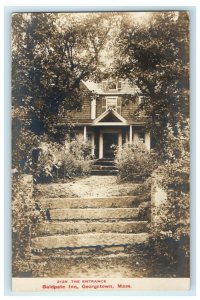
63, 161
135, 161
173, 214
24, 216
175, 173
143, 188
80, 149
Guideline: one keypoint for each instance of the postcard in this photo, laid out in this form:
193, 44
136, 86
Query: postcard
100, 151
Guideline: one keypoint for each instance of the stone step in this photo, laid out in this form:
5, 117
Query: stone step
104, 163
94, 214
88, 240
104, 172
51, 228
87, 254
121, 201
106, 159
100, 167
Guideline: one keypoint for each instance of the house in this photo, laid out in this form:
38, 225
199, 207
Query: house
107, 118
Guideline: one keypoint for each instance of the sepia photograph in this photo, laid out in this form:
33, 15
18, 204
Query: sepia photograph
100, 150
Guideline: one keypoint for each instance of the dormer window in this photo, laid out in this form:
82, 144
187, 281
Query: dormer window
111, 85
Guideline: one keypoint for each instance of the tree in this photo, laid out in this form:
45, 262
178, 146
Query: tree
156, 60
51, 54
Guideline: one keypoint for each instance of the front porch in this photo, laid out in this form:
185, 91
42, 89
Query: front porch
105, 139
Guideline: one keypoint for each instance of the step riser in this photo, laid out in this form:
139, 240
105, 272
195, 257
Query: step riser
82, 227
106, 159
101, 253
93, 214
105, 168
104, 163
86, 252
104, 172
112, 202
89, 240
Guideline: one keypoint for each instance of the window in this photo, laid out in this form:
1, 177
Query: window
141, 136
112, 85
113, 103
119, 85
104, 85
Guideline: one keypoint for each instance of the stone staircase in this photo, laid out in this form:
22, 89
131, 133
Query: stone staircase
104, 166
77, 225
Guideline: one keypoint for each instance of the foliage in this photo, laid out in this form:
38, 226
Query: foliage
80, 149
63, 161
24, 216
143, 188
172, 227
174, 214
156, 60
23, 140
51, 54
135, 161
170, 257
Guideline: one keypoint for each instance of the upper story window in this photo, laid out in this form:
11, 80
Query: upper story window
112, 85
113, 103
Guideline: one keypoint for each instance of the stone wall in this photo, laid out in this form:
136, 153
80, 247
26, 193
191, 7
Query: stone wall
23, 207
158, 197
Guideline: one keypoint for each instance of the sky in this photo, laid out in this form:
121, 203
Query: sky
141, 17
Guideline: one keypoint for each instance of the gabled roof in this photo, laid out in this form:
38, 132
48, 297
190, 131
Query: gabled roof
97, 88
110, 113
92, 86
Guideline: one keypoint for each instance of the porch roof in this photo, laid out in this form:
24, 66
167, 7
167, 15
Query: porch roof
110, 116
108, 124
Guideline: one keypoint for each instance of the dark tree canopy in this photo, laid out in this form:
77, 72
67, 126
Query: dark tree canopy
52, 53
155, 57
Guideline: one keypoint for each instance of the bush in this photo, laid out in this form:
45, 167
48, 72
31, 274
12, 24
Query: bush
63, 161
135, 161
142, 189
175, 173
24, 216
174, 213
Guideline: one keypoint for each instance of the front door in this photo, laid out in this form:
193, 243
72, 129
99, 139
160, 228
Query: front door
110, 140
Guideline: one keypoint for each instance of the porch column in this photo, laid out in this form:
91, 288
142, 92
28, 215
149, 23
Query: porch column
93, 145
120, 138
126, 136
101, 145
85, 133
135, 137
131, 135
148, 140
